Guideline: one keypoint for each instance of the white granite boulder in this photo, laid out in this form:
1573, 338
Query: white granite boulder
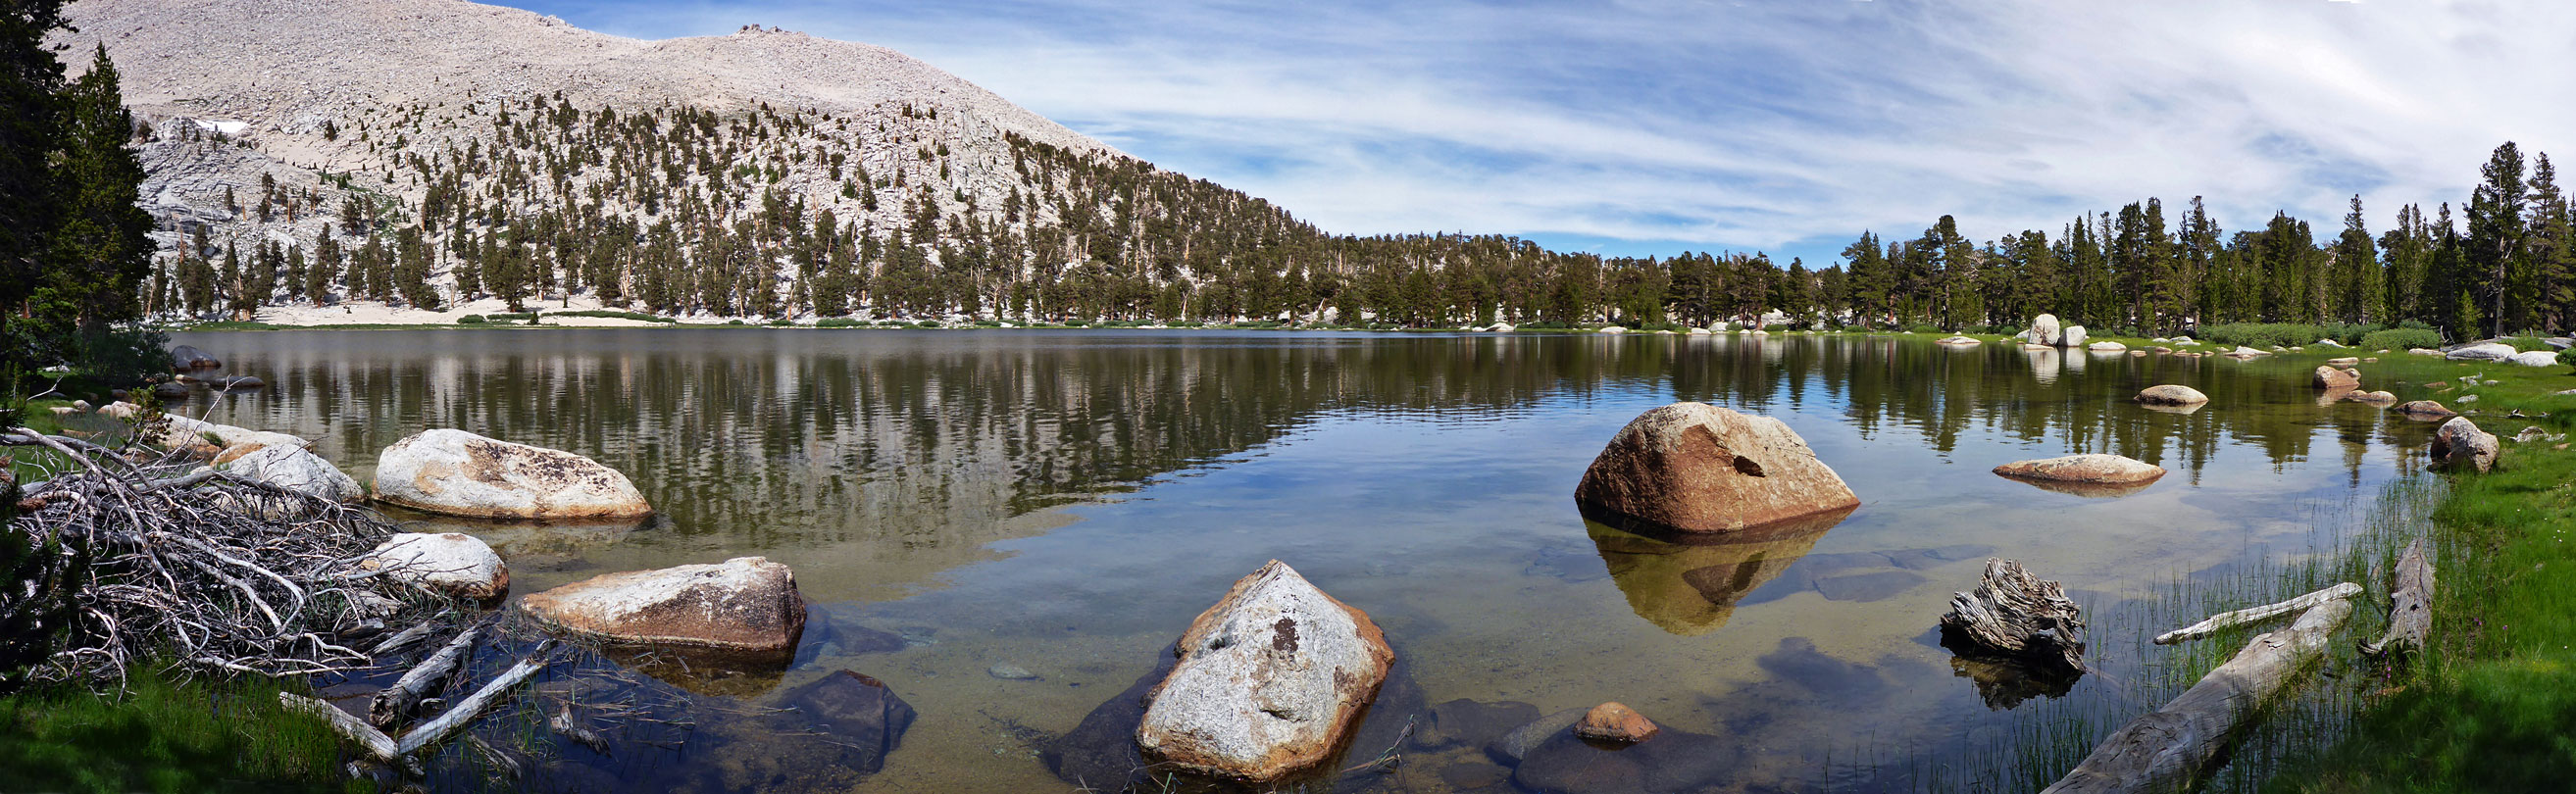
451, 562
745, 604
290, 467
1269, 680
453, 472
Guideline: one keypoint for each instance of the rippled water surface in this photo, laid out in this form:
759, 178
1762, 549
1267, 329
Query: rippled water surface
1065, 502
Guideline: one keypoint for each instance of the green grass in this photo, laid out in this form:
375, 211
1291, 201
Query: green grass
2490, 705
165, 736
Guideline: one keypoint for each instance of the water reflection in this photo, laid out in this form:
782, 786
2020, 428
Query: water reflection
1688, 585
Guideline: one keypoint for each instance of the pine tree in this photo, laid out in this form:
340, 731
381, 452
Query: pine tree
101, 250
2493, 248
2359, 296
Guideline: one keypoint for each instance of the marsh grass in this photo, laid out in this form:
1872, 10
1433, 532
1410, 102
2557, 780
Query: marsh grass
165, 735
2038, 742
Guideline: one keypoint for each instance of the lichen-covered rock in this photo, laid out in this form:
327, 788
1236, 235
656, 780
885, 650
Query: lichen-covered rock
1268, 680
744, 604
2334, 378
450, 562
453, 472
1697, 468
2459, 445
290, 467
2171, 394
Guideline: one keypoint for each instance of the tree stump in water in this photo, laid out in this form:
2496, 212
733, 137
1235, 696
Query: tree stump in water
2017, 616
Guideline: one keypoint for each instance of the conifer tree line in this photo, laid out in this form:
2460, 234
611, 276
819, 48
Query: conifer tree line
74, 247
795, 213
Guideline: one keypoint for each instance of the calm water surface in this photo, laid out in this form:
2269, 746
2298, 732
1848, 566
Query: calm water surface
1065, 502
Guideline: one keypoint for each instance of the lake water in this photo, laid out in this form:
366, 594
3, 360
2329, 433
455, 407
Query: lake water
1064, 502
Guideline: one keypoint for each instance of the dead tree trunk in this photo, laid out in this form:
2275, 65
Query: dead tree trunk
2016, 615
379, 745
432, 676
2410, 607
2167, 750
2225, 620
465, 711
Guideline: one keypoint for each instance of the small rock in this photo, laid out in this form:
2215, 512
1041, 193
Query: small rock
2334, 378
1010, 672
2345, 361
454, 563
2371, 397
2170, 394
1615, 722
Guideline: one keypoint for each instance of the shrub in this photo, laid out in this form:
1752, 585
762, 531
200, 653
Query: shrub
841, 322
470, 319
2283, 334
2527, 344
1924, 328
2401, 339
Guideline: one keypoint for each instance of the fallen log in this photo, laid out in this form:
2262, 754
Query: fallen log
563, 724
2018, 616
2226, 620
2168, 749
2410, 607
432, 676
466, 711
401, 638
377, 744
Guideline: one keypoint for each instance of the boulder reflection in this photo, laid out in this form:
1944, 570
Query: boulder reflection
1688, 584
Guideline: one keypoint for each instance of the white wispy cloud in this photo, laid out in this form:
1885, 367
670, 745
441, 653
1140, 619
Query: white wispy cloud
1650, 125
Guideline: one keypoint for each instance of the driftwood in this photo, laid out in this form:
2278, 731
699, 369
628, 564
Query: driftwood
564, 724
2016, 615
2226, 620
433, 675
466, 711
375, 741
401, 638
2167, 750
221, 573
2410, 608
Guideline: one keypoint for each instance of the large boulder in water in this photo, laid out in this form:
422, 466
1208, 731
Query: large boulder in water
290, 467
453, 472
1267, 682
454, 563
1697, 468
2072, 337
2459, 444
2044, 330
746, 604
2330, 377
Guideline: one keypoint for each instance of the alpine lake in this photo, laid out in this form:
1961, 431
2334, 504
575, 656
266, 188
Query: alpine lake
1009, 528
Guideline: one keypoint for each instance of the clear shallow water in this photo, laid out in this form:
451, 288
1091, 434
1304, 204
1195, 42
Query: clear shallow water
1067, 501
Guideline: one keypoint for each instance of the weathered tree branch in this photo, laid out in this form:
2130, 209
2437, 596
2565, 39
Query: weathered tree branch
2225, 620
2410, 608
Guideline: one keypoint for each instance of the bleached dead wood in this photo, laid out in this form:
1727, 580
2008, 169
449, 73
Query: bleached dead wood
375, 741
2410, 607
2167, 750
2226, 620
466, 711
2015, 614
432, 676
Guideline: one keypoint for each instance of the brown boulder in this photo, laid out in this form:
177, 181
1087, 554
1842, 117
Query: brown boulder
2371, 397
1693, 467
746, 604
2427, 410
2459, 445
2332, 378
1615, 722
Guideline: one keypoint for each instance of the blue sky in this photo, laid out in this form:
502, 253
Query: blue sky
1653, 127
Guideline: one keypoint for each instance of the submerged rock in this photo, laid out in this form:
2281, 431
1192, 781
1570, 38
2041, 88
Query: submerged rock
453, 472
857, 711
1268, 681
2371, 397
746, 604
1694, 467
2459, 445
2170, 394
187, 357
453, 563
1471, 723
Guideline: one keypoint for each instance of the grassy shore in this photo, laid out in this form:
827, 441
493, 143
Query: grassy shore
162, 735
